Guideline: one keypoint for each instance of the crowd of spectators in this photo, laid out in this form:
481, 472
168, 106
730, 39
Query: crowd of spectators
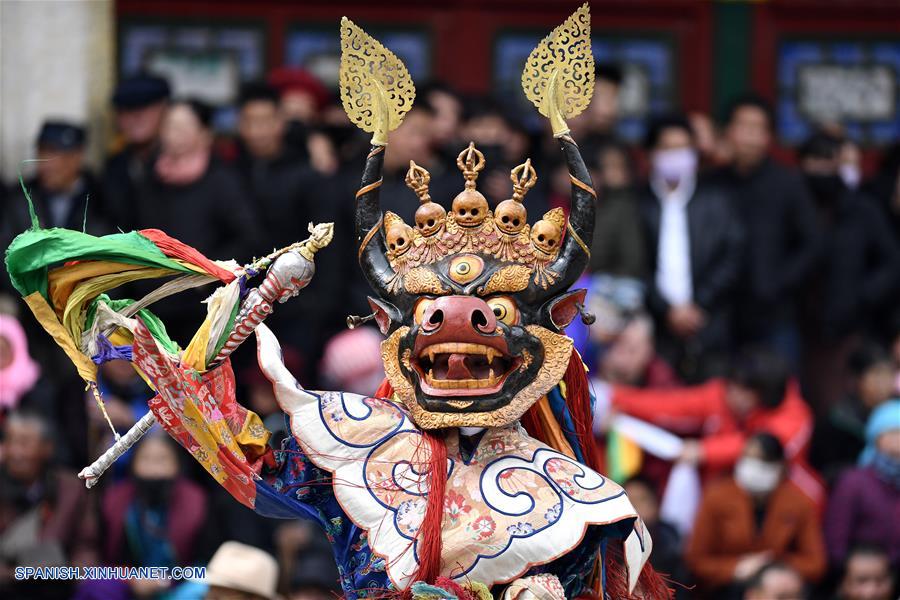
746, 304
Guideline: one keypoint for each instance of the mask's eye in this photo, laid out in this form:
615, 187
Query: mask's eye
421, 306
504, 309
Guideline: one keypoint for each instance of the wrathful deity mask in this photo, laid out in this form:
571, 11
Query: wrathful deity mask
473, 301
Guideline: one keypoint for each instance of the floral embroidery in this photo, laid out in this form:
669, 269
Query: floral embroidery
520, 529
483, 527
553, 512
455, 505
410, 514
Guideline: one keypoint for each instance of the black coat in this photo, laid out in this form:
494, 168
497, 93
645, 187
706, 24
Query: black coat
85, 208
783, 243
716, 249
124, 175
211, 214
286, 195
860, 269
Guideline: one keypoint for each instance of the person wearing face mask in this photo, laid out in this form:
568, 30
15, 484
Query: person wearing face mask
850, 164
753, 518
857, 277
864, 506
695, 245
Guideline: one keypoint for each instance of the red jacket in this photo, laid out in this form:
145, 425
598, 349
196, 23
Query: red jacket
702, 411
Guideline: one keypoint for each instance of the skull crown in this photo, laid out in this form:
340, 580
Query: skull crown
470, 225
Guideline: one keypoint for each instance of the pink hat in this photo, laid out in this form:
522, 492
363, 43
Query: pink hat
352, 360
20, 375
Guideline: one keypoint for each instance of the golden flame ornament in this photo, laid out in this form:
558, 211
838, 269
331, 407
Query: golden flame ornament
376, 89
559, 74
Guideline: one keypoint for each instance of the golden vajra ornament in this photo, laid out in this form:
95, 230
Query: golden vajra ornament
376, 89
559, 74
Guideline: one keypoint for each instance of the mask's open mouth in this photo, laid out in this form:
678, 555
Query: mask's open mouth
462, 369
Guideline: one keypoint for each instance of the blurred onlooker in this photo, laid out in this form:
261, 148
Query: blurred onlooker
139, 104
352, 361
694, 242
618, 248
155, 518
864, 506
277, 177
850, 164
447, 125
631, 358
18, 371
45, 513
780, 225
412, 141
840, 435
757, 395
316, 578
241, 572
711, 148
504, 145
666, 555
597, 125
302, 100
190, 188
885, 186
64, 192
867, 575
775, 581
858, 276
302, 95
755, 517
307, 562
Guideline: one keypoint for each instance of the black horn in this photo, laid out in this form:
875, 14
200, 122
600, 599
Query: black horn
370, 232
575, 253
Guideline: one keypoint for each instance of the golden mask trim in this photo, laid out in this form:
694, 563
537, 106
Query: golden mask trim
423, 281
511, 279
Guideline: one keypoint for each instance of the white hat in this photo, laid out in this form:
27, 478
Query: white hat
243, 568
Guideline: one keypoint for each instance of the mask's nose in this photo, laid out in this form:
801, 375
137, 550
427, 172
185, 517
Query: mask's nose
459, 313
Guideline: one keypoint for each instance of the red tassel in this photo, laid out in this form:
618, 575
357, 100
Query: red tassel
429, 541
457, 590
532, 424
578, 399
